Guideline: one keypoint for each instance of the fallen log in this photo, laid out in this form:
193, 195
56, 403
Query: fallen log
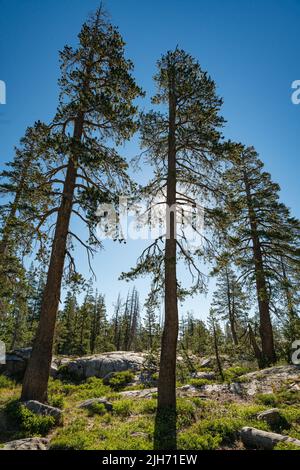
257, 439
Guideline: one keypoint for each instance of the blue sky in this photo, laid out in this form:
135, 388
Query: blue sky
250, 48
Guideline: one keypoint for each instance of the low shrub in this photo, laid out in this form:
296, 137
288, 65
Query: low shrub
192, 441
120, 379
268, 399
93, 387
288, 397
291, 414
29, 423
122, 407
97, 409
185, 413
57, 401
198, 383
233, 373
226, 428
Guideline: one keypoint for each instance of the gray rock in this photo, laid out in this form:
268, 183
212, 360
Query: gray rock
44, 410
16, 362
32, 443
187, 388
211, 363
89, 403
273, 417
257, 439
14, 365
148, 392
236, 388
23, 353
206, 362
270, 379
204, 375
100, 365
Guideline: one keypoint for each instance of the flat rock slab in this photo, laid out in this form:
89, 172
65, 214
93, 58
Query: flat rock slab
185, 390
256, 439
100, 365
145, 393
44, 410
32, 443
88, 404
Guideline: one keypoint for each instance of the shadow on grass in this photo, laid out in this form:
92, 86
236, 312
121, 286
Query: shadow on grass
165, 429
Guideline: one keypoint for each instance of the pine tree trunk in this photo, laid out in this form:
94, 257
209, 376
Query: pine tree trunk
216, 347
292, 315
37, 373
231, 312
167, 372
255, 347
265, 327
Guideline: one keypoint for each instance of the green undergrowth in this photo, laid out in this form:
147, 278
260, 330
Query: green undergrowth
202, 423
26, 423
119, 380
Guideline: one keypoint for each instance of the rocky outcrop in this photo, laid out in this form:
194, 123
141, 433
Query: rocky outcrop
268, 380
256, 439
100, 365
262, 381
185, 390
44, 410
16, 363
32, 443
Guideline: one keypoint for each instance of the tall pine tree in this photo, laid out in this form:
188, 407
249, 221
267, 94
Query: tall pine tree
97, 91
262, 234
182, 143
